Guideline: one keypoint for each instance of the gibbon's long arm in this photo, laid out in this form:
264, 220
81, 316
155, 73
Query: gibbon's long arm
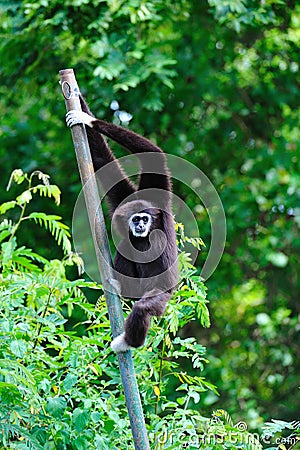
154, 172
102, 155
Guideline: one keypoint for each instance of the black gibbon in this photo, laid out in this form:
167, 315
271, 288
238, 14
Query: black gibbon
146, 257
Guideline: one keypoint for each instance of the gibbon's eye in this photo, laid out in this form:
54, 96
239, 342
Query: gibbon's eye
136, 219
145, 219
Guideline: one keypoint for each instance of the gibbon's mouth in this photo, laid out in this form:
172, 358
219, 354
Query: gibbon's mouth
141, 233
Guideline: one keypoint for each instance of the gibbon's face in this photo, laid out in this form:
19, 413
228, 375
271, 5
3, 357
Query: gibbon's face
140, 224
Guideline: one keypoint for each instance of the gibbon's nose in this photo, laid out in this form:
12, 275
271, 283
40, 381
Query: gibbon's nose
140, 226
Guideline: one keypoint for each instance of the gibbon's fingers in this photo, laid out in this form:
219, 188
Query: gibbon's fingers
119, 344
75, 117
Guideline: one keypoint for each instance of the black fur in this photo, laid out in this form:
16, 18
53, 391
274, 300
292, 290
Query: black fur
154, 289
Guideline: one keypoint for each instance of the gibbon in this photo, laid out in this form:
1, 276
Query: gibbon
143, 216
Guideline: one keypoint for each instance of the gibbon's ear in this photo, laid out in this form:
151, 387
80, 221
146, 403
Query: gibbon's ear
122, 214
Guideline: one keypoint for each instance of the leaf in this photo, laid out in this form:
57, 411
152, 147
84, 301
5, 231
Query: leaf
56, 406
224, 415
4, 234
276, 426
41, 176
80, 419
196, 242
195, 396
58, 230
6, 206
17, 176
111, 67
19, 372
93, 369
9, 393
70, 381
18, 348
174, 323
25, 197
156, 391
80, 443
48, 190
95, 416
25, 263
7, 250
31, 442
23, 251
55, 319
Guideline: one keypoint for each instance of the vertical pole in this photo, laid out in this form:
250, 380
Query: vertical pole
71, 94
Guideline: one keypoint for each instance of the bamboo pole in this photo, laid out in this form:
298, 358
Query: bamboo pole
71, 95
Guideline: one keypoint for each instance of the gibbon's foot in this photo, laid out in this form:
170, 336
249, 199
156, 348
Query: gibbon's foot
75, 117
119, 344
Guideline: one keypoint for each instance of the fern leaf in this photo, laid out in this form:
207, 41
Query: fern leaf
18, 372
195, 242
23, 251
25, 263
4, 234
48, 190
31, 440
223, 415
25, 197
18, 176
6, 206
7, 249
58, 229
6, 225
41, 176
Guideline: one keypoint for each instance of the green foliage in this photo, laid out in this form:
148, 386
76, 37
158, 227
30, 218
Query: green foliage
50, 222
240, 105
216, 433
60, 389
237, 13
224, 76
90, 34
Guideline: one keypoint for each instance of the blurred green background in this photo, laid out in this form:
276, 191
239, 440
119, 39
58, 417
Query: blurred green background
217, 83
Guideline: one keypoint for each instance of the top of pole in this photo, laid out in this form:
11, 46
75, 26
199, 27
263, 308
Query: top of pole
69, 88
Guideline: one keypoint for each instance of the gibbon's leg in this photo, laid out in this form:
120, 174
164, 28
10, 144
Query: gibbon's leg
114, 181
138, 322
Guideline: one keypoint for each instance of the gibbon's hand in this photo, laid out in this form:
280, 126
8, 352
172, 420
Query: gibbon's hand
75, 117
